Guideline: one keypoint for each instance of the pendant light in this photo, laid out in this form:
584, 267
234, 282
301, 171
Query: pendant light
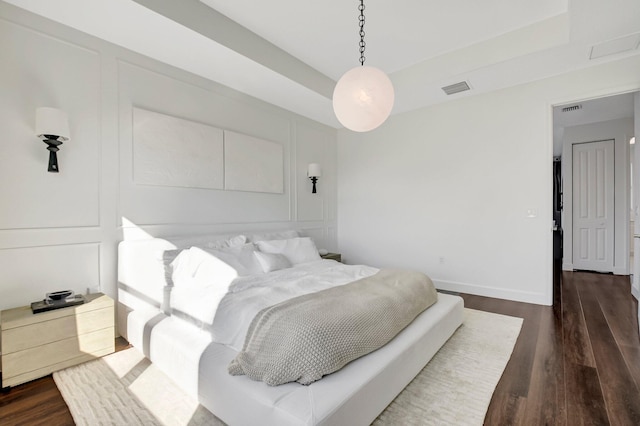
363, 97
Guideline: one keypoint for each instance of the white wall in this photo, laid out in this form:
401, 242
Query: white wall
448, 189
60, 231
621, 131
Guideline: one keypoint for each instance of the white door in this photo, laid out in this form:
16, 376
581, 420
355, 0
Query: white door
593, 206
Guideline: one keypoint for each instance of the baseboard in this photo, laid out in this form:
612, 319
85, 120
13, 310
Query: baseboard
498, 293
567, 266
635, 292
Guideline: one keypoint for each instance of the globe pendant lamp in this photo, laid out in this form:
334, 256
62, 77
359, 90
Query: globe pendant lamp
363, 97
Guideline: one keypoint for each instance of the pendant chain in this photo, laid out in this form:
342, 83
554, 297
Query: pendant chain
362, 43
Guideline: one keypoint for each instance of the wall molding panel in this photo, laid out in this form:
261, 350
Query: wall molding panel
20, 238
194, 100
170, 151
49, 268
252, 164
70, 198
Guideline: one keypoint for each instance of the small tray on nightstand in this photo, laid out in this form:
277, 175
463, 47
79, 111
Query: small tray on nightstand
49, 305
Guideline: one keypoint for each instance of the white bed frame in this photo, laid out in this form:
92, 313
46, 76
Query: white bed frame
355, 395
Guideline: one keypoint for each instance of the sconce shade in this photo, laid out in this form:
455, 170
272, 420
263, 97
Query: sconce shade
363, 98
313, 173
53, 122
314, 170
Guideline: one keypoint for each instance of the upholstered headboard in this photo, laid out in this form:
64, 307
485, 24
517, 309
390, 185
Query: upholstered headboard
142, 269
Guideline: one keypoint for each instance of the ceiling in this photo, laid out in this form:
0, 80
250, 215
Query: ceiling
398, 34
595, 110
290, 53
589, 111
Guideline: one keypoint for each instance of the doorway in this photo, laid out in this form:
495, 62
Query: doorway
604, 119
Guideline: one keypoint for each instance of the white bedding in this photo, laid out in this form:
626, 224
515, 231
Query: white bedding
249, 294
353, 395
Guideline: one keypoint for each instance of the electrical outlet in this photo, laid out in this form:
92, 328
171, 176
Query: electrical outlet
441, 260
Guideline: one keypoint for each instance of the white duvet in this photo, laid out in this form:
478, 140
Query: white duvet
249, 294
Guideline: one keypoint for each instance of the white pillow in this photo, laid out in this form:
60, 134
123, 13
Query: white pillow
201, 279
234, 241
240, 258
196, 267
296, 250
272, 261
211, 241
275, 235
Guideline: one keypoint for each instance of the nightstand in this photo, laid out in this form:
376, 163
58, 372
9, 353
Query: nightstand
332, 256
34, 345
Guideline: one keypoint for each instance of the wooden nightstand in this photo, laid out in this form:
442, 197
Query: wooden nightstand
332, 256
34, 345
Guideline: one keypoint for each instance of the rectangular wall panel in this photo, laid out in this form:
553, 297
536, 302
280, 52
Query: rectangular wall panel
252, 164
170, 151
39, 70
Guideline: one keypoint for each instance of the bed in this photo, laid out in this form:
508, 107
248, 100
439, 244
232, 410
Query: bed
194, 340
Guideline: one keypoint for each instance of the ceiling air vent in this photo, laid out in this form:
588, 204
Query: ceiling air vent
572, 108
456, 88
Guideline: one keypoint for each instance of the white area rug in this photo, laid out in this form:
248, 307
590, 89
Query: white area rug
455, 388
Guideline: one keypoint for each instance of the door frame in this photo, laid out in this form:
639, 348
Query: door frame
621, 196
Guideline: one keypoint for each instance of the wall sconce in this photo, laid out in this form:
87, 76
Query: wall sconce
314, 172
52, 125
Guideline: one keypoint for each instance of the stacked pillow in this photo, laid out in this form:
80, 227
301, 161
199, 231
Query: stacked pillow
243, 258
256, 254
275, 235
201, 275
294, 250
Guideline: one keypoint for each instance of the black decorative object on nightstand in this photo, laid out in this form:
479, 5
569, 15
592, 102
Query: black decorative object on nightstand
332, 256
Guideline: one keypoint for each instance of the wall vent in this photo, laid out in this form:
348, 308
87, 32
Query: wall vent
456, 88
572, 108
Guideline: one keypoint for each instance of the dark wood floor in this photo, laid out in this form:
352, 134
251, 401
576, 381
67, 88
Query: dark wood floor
38, 402
577, 363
